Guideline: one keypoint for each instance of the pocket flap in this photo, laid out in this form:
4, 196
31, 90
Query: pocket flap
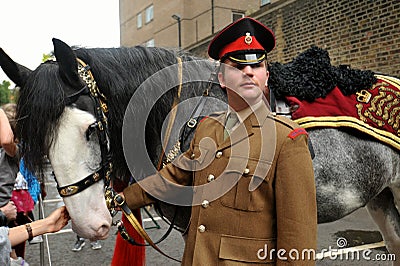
245, 249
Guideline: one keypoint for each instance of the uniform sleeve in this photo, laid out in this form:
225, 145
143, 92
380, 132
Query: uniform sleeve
167, 185
296, 202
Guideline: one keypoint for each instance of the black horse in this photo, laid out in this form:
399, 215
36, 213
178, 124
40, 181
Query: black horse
351, 170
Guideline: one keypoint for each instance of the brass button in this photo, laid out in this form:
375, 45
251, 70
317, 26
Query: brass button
202, 228
246, 171
205, 203
192, 156
218, 154
210, 178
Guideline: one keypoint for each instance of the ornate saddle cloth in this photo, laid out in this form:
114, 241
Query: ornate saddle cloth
375, 111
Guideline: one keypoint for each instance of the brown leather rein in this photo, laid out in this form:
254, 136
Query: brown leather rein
113, 199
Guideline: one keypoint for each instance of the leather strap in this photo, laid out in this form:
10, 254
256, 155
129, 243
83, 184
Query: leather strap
81, 185
136, 225
172, 117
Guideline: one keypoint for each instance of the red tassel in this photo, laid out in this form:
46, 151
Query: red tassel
125, 253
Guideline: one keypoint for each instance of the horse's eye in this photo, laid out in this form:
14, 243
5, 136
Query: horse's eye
89, 132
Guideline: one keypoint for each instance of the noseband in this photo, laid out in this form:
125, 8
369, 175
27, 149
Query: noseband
101, 127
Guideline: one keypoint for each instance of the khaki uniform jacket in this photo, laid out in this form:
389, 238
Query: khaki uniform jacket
254, 193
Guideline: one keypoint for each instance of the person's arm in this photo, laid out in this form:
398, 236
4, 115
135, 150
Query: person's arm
6, 135
5, 247
53, 223
165, 185
296, 201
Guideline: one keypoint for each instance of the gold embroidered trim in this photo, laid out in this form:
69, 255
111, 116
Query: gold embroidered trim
352, 122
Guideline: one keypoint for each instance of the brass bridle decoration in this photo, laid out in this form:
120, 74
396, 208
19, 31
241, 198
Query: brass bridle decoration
112, 198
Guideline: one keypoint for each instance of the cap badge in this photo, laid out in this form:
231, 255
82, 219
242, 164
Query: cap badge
248, 39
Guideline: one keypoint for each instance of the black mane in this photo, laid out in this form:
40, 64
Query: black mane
118, 73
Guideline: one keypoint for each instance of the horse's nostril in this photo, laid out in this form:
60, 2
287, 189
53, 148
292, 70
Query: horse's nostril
103, 230
105, 226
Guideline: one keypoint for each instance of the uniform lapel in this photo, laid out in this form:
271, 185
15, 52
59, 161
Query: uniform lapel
219, 132
245, 129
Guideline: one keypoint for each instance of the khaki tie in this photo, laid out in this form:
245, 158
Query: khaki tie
231, 121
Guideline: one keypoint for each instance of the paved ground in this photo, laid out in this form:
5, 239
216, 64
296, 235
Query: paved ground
57, 248
358, 229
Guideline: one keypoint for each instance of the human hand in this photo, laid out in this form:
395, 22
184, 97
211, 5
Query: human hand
57, 219
10, 211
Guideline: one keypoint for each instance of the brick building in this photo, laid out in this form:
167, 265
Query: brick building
364, 34
156, 23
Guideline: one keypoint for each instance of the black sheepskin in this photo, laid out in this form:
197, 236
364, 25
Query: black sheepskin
310, 75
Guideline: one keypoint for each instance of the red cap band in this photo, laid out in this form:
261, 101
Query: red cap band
240, 45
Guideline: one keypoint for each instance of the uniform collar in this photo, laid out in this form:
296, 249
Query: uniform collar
255, 118
245, 113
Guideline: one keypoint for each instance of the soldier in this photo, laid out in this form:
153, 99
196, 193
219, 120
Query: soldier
250, 172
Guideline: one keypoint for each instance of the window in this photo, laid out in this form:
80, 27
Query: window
139, 21
264, 2
149, 43
236, 16
149, 14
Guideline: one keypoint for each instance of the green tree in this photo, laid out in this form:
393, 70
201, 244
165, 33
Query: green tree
46, 57
5, 92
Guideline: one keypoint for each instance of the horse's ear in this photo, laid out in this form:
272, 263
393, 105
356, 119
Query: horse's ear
68, 66
16, 72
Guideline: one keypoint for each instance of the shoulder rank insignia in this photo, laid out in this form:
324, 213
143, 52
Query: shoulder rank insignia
204, 118
296, 132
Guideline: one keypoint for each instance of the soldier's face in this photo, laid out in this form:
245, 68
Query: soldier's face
245, 84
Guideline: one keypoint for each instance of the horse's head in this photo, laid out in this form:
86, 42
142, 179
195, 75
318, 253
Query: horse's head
56, 117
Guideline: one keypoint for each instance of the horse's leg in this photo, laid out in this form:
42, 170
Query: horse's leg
385, 214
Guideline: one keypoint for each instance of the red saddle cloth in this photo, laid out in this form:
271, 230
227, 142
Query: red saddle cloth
375, 111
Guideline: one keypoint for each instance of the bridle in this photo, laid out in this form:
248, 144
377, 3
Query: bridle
100, 125
113, 199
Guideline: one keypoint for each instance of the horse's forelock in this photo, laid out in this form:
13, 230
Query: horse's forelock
40, 105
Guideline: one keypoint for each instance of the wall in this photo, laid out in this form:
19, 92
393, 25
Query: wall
364, 34
195, 20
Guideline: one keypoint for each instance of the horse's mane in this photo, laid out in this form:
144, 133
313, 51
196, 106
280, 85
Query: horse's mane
310, 75
118, 73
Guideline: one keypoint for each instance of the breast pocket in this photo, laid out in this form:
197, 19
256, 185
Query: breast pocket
249, 194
